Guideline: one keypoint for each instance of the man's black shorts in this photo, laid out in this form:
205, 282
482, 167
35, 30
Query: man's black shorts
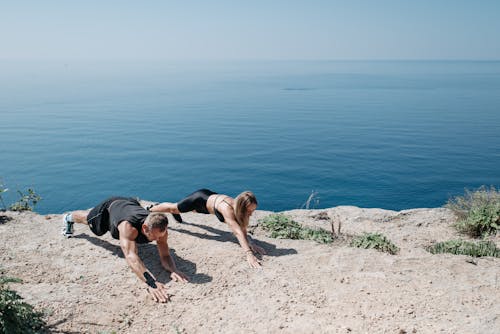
98, 217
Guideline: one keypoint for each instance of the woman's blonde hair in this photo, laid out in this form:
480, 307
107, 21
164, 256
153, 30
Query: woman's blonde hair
242, 201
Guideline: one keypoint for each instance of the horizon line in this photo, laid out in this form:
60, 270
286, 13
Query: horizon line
261, 59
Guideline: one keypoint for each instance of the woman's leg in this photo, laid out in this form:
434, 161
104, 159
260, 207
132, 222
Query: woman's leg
193, 202
165, 207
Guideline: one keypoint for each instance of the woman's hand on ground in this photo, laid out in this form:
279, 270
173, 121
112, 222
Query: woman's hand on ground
159, 293
258, 249
179, 276
253, 261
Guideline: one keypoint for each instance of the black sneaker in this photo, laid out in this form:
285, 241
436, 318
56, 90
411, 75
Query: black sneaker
177, 217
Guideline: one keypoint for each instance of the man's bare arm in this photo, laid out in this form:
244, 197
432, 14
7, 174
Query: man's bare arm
129, 248
168, 262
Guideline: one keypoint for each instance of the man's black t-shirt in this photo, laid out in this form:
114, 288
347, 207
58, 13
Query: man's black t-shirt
130, 210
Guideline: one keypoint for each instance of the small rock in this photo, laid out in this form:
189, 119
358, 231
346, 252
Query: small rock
471, 261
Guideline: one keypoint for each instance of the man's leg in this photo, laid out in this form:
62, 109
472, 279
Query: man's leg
79, 216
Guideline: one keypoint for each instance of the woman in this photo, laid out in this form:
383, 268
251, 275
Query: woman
235, 212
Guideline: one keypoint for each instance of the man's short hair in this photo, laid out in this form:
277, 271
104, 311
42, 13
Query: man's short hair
156, 220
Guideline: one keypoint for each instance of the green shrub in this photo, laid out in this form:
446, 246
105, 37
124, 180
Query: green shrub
376, 241
26, 202
478, 212
16, 316
319, 235
2, 190
462, 247
283, 227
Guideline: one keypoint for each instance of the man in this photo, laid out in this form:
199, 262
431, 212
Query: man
129, 222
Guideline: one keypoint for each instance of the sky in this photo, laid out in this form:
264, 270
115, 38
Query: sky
250, 30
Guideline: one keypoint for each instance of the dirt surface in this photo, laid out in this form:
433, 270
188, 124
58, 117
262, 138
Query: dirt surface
85, 286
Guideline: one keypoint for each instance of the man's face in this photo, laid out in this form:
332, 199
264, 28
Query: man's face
154, 234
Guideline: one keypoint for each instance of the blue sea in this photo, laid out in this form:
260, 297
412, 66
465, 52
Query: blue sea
386, 134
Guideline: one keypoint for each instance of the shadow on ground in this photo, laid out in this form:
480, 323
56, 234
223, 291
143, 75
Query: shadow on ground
149, 255
224, 236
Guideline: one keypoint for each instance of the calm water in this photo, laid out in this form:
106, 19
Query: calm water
393, 135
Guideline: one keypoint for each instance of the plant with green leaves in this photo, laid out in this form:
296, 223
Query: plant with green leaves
462, 247
478, 212
319, 235
17, 316
26, 201
374, 240
2, 190
283, 227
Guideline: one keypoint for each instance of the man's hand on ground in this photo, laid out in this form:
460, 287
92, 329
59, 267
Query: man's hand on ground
159, 293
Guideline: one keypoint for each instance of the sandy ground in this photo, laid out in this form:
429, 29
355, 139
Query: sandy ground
85, 285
